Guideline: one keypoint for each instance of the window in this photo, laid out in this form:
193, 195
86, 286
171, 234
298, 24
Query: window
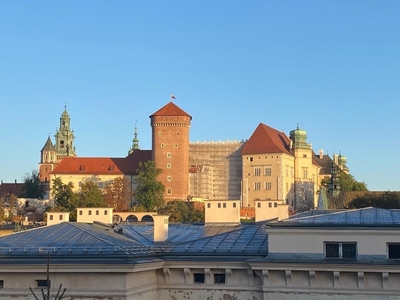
162, 145
275, 204
62, 144
169, 191
269, 204
224, 205
267, 171
80, 213
219, 278
208, 205
90, 213
259, 205
169, 154
159, 134
1, 284
42, 283
268, 186
305, 155
393, 251
257, 186
105, 212
340, 250
219, 205
305, 174
51, 217
169, 178
176, 145
169, 166
198, 277
234, 205
257, 171
97, 212
251, 159
60, 217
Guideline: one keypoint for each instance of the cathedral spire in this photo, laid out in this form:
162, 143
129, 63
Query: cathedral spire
135, 141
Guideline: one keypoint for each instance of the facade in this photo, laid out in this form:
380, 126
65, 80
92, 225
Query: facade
351, 254
269, 166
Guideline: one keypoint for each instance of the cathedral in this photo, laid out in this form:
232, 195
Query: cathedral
269, 168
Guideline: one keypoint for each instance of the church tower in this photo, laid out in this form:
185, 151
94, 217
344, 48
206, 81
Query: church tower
48, 161
64, 137
135, 142
170, 149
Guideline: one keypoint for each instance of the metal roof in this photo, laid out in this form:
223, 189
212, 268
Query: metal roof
369, 216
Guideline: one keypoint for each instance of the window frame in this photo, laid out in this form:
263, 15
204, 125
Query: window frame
219, 278
388, 246
340, 250
198, 278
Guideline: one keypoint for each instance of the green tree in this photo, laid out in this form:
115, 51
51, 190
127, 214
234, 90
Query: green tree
387, 200
118, 194
347, 183
183, 211
150, 191
32, 187
64, 197
90, 195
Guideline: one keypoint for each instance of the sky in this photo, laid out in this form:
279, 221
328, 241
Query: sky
332, 67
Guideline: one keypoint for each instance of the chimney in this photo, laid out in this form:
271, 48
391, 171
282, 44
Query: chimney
160, 228
321, 153
283, 212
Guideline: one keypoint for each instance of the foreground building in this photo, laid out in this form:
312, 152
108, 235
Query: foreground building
336, 255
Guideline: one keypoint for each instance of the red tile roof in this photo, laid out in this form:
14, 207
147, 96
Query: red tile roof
171, 109
103, 165
266, 139
7, 189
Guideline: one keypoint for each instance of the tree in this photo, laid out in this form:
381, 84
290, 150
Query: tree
90, 195
347, 183
183, 211
150, 191
64, 197
387, 200
118, 194
32, 187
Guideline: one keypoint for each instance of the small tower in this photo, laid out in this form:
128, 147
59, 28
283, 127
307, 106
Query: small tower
48, 161
64, 137
135, 141
334, 186
170, 148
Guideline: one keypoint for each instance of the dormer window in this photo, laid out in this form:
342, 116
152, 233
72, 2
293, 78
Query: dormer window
82, 168
111, 168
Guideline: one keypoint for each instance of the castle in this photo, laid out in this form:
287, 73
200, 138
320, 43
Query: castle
269, 167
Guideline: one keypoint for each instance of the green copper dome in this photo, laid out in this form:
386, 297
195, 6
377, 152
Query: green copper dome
299, 137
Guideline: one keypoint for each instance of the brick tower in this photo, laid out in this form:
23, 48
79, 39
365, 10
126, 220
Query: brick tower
170, 146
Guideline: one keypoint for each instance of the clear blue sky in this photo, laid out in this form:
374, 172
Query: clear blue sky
331, 66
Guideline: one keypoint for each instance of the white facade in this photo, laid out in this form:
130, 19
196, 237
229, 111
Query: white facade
94, 214
57, 217
222, 211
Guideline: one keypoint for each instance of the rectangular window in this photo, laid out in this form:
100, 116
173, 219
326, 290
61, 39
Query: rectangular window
393, 251
90, 212
251, 159
208, 205
169, 191
42, 283
97, 212
234, 205
80, 213
51, 217
198, 277
259, 205
224, 205
305, 174
257, 171
340, 250
219, 205
257, 186
270, 204
1, 284
105, 212
60, 217
219, 278
268, 186
268, 171
275, 204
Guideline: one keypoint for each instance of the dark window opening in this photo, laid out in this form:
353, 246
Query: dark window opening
341, 250
198, 277
219, 278
42, 283
394, 251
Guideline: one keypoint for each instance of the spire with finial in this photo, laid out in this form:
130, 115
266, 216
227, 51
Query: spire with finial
135, 144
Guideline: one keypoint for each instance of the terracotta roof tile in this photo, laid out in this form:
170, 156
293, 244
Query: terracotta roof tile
103, 165
171, 109
266, 139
